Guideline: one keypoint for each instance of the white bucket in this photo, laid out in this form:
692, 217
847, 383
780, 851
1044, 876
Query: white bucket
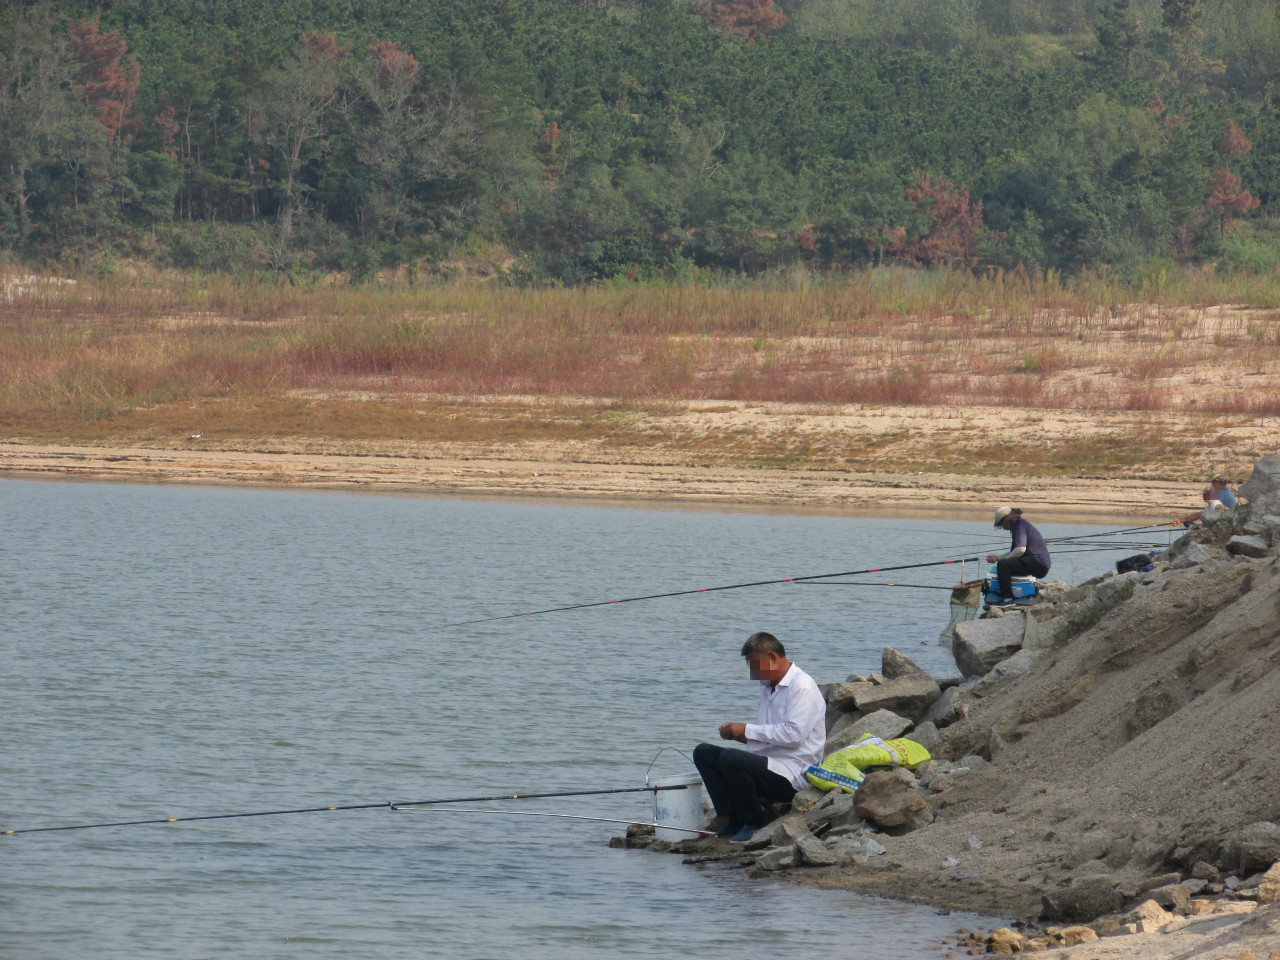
676, 807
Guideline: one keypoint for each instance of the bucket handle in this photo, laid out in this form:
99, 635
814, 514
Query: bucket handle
659, 754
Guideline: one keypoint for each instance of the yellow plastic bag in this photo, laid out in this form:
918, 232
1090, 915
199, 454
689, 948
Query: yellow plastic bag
846, 768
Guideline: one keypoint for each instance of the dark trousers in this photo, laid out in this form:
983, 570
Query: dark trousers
737, 782
1023, 566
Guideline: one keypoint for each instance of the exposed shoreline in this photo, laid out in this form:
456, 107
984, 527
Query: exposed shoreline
506, 474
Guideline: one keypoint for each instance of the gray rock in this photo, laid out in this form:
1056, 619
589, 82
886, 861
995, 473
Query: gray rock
779, 858
981, 644
973, 843
1107, 590
1005, 672
949, 862
835, 809
1256, 846
1270, 525
1262, 489
1173, 897
894, 664
925, 734
805, 799
1194, 885
968, 764
814, 853
908, 696
873, 848
886, 800
882, 724
995, 744
1247, 546
843, 696
788, 830
1163, 880
1192, 555
1086, 899
948, 708
1205, 871
1033, 636
842, 722
1094, 846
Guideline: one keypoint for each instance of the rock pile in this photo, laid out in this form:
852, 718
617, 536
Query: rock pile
1106, 760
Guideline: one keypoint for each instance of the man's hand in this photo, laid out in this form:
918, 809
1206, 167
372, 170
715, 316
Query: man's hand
992, 558
733, 731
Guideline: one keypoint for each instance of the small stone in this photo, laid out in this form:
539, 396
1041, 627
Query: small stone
1194, 886
1005, 940
1173, 897
894, 664
1070, 936
1148, 910
778, 858
948, 862
886, 800
1086, 898
804, 800
1005, 672
1161, 881
973, 843
1205, 871
788, 830
873, 848
949, 708
814, 853
1269, 887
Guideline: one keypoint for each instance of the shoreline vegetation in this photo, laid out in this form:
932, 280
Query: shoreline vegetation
886, 389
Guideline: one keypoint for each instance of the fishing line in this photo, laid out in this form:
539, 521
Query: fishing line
759, 583
685, 593
386, 805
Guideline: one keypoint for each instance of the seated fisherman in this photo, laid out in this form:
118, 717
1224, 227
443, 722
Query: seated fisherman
1028, 555
788, 735
1218, 490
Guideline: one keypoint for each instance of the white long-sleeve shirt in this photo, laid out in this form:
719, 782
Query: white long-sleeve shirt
791, 725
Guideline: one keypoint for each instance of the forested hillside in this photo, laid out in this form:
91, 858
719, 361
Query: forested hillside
555, 140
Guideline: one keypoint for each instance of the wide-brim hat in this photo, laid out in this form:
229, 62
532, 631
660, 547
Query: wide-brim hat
1001, 513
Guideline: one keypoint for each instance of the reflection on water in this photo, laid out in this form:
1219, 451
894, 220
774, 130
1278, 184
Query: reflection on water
181, 651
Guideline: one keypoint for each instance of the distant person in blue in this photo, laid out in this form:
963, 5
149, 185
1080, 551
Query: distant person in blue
1028, 555
1218, 490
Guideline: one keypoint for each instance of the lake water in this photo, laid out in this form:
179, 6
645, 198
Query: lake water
178, 651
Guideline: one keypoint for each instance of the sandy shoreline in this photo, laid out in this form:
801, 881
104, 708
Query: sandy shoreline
454, 472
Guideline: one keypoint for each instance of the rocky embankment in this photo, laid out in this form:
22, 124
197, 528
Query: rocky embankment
1106, 763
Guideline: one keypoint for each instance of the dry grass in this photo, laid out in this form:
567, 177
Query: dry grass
146, 360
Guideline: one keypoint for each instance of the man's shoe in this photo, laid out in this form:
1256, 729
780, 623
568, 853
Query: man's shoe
744, 834
1002, 602
729, 829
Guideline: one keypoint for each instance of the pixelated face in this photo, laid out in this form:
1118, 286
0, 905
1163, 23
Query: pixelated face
767, 668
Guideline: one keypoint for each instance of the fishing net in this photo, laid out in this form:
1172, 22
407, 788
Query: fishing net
965, 599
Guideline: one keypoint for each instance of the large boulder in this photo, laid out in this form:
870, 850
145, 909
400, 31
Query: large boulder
842, 722
1247, 546
843, 696
884, 799
981, 644
1262, 489
948, 708
894, 664
908, 696
882, 724
1256, 847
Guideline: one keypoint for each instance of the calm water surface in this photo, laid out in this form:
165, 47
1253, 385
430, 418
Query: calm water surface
183, 651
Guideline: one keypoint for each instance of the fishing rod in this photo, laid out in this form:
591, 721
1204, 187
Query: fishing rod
563, 816
685, 593
384, 805
755, 583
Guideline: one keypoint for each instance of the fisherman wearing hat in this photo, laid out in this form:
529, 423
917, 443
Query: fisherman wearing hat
1218, 490
1028, 555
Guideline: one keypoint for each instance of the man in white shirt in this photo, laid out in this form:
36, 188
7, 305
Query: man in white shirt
788, 735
